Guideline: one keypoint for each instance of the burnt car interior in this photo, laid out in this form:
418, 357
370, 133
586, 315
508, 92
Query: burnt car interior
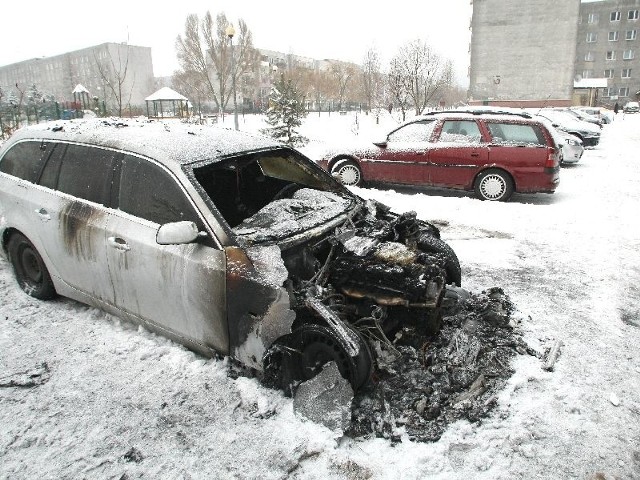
239, 187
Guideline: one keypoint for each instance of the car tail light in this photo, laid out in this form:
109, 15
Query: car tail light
552, 159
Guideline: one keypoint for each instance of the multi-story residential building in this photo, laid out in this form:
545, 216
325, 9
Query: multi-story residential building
608, 48
523, 52
128, 68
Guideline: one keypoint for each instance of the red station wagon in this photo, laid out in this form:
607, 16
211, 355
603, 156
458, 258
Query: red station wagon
491, 154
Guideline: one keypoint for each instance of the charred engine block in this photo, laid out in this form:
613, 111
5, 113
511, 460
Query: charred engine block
374, 268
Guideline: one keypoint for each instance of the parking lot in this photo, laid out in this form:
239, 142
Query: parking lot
100, 398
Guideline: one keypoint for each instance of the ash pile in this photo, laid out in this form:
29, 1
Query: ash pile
422, 383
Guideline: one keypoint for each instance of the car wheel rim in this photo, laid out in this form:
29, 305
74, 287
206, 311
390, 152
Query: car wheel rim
493, 187
349, 175
31, 266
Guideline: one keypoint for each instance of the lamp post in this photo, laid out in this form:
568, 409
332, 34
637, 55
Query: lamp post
230, 31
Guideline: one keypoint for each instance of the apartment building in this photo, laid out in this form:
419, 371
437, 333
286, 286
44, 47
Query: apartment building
94, 68
523, 52
608, 48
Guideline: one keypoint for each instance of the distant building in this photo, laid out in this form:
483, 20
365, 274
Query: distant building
59, 75
523, 52
608, 48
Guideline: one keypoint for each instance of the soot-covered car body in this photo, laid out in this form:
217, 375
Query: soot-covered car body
227, 243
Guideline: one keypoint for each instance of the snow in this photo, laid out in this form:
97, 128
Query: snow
118, 402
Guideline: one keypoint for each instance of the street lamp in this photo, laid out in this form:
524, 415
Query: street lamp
230, 31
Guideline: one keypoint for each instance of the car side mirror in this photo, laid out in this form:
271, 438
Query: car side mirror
381, 143
177, 233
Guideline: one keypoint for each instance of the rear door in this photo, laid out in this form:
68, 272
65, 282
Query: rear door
72, 210
458, 154
521, 149
177, 289
404, 158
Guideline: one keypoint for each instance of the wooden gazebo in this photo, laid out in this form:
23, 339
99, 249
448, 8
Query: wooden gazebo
167, 103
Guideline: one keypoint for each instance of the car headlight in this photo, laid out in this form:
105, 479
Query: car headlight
573, 142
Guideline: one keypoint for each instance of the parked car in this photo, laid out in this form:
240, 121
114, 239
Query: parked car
569, 145
585, 117
227, 243
585, 131
492, 154
605, 116
631, 107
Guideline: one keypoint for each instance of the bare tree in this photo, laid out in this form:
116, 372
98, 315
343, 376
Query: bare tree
343, 74
371, 78
204, 53
398, 86
424, 71
113, 73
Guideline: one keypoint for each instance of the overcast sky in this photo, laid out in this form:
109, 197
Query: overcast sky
337, 29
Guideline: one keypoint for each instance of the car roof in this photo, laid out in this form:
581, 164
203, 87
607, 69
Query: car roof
165, 141
475, 112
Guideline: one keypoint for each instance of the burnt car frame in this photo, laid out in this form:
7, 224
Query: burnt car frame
227, 243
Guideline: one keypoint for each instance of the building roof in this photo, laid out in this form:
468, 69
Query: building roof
80, 89
165, 93
590, 83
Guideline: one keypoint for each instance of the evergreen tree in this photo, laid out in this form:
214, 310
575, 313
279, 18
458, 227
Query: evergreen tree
285, 113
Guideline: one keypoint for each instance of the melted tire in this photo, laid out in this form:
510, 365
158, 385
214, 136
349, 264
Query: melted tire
305, 352
431, 244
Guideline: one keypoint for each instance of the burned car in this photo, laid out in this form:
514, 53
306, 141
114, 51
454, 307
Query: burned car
227, 243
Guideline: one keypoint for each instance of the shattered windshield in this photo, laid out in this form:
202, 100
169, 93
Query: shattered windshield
269, 196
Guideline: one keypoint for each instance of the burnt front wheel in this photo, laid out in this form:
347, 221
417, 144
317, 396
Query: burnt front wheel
347, 172
30, 270
309, 348
494, 184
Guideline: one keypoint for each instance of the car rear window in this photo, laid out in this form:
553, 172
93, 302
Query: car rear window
87, 172
460, 131
24, 160
513, 133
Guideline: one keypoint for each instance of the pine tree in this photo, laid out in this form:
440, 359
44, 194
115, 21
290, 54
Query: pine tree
285, 113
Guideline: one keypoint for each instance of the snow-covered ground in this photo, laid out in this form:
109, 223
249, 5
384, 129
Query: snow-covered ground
110, 400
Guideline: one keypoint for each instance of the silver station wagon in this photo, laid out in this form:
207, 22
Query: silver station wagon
227, 243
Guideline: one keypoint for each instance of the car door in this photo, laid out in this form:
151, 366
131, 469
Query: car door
457, 154
72, 210
176, 289
403, 158
521, 149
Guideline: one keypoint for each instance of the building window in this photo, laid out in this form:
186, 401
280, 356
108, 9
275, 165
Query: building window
589, 57
613, 36
592, 37
626, 73
631, 34
633, 15
623, 92
628, 55
611, 55
615, 16
592, 18
608, 73
587, 74
610, 92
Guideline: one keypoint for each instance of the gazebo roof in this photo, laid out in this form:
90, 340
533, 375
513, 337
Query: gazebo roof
80, 89
165, 93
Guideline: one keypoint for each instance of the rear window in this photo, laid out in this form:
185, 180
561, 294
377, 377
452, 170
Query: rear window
24, 160
513, 133
460, 131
